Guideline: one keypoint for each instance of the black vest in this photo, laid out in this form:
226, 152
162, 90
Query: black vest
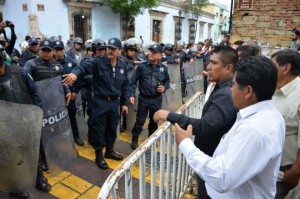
32, 55
44, 71
12, 87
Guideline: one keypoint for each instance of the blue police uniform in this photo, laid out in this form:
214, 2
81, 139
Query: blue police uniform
170, 59
109, 86
183, 58
149, 77
68, 64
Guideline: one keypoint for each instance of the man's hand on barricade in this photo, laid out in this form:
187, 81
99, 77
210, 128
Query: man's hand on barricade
160, 115
69, 79
181, 134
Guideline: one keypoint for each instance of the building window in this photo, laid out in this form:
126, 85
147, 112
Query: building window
192, 33
156, 30
178, 27
128, 30
25, 7
80, 26
40, 7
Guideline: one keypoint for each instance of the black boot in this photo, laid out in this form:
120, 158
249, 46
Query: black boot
41, 181
111, 154
78, 141
20, 195
134, 142
100, 162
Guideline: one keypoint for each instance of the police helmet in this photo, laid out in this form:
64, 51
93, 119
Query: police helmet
133, 43
169, 47
87, 42
78, 40
2, 54
89, 47
180, 43
98, 44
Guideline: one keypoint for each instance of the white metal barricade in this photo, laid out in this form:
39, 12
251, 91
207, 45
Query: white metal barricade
169, 178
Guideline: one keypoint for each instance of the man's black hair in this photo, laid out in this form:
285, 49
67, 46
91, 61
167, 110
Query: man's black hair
258, 72
288, 56
227, 54
247, 51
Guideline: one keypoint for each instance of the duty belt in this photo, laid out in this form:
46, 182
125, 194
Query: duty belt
108, 98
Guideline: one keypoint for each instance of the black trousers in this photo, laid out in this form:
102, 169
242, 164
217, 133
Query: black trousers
202, 193
146, 105
104, 122
72, 110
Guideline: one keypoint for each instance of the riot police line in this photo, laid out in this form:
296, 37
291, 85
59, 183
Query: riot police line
56, 136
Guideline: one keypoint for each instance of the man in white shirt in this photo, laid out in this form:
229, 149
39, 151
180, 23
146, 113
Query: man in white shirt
246, 162
287, 101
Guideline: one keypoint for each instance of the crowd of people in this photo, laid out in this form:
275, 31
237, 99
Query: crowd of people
246, 142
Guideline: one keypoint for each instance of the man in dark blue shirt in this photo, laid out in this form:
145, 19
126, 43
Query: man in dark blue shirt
218, 113
68, 64
153, 78
109, 86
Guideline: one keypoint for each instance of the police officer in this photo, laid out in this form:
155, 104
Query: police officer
38, 69
24, 94
168, 56
98, 48
182, 57
109, 86
153, 78
30, 53
130, 49
68, 64
76, 51
12, 89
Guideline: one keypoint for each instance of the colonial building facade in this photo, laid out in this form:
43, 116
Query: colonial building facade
166, 23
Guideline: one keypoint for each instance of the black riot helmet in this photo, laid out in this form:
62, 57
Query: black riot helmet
98, 44
132, 43
169, 47
2, 55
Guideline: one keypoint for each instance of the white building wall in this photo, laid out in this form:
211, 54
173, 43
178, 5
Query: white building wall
53, 21
143, 28
105, 23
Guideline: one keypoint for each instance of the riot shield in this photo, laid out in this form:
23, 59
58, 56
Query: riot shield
172, 98
57, 137
198, 69
189, 73
20, 135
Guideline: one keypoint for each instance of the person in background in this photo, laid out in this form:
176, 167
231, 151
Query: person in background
153, 79
68, 64
225, 41
31, 52
286, 99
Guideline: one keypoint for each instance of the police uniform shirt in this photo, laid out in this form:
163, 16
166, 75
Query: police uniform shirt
30, 71
105, 81
129, 62
68, 64
149, 78
170, 59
